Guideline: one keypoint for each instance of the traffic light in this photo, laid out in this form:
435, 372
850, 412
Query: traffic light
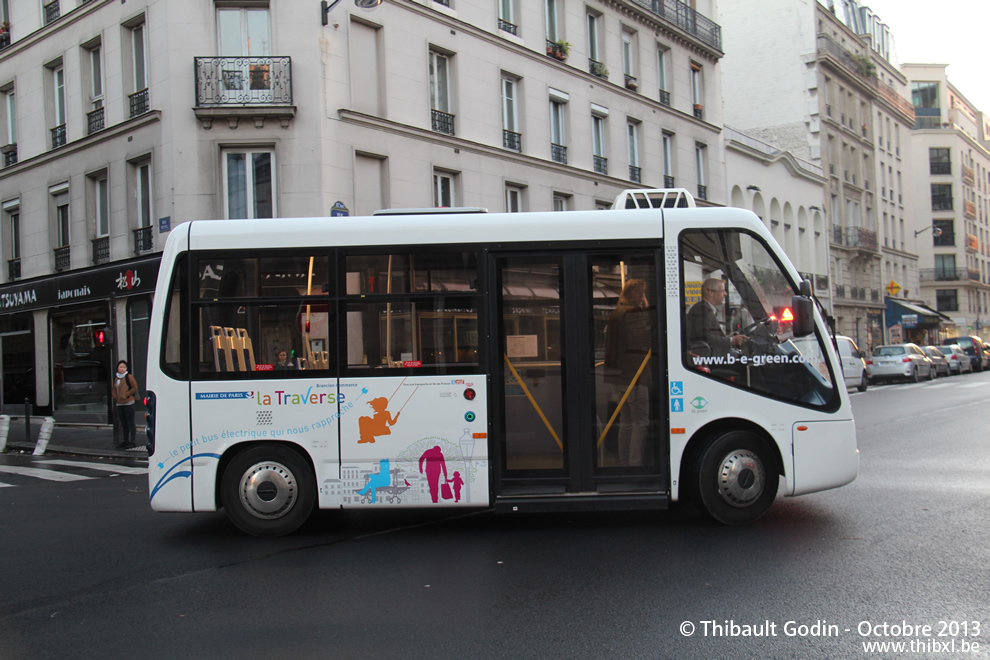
104, 337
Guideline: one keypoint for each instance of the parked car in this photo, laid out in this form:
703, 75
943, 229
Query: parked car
974, 348
896, 361
959, 362
939, 361
853, 364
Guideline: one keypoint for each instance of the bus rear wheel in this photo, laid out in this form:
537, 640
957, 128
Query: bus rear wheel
268, 490
736, 477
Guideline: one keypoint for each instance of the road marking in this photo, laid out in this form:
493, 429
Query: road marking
108, 467
3, 485
50, 475
974, 385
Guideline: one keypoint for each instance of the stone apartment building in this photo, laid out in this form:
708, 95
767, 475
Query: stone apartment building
121, 119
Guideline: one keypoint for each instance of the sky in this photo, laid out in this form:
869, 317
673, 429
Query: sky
952, 32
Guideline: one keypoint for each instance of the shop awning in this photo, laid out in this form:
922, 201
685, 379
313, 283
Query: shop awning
913, 314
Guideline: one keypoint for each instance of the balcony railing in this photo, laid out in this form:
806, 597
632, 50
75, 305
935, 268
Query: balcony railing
442, 122
631, 82
664, 97
506, 26
596, 68
62, 261
139, 102
840, 290
243, 81
558, 153
101, 250
941, 204
10, 155
699, 112
668, 181
14, 269
687, 19
940, 168
52, 11
635, 174
511, 140
702, 192
94, 120
4, 40
144, 240
948, 274
600, 164
58, 136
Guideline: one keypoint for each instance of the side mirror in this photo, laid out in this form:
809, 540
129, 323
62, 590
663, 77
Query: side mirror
804, 315
804, 288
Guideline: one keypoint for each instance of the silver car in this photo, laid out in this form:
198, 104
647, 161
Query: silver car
959, 362
939, 360
897, 361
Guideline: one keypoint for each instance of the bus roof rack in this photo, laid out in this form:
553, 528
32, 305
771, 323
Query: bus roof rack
432, 211
654, 198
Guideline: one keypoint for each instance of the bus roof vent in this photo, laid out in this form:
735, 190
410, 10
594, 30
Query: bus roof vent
654, 198
432, 211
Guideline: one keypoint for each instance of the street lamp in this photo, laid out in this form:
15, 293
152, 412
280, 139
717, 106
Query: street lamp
936, 232
326, 7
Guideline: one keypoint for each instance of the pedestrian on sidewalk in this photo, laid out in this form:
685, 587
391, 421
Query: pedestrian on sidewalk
124, 390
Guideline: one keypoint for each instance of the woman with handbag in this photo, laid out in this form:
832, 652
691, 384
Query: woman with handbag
124, 390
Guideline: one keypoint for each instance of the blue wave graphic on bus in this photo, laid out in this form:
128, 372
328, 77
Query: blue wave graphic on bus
167, 477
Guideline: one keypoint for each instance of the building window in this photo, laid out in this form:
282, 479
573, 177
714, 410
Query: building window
511, 138
10, 118
12, 213
701, 158
96, 77
550, 13
629, 59
946, 233
939, 161
443, 189
244, 31
667, 146
513, 199
594, 52
632, 137
946, 300
559, 202
249, 183
941, 196
506, 16
598, 116
558, 128
58, 98
138, 63
60, 197
697, 91
663, 65
442, 120
945, 267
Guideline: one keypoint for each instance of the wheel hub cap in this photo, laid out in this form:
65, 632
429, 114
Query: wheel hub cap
268, 490
741, 478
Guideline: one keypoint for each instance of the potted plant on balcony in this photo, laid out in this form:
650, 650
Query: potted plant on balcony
4, 34
559, 49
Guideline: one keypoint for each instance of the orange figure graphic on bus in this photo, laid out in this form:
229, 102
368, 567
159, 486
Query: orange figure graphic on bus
379, 423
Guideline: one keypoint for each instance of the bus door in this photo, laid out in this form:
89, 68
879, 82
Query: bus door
578, 408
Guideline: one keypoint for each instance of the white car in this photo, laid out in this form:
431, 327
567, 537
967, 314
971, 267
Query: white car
853, 364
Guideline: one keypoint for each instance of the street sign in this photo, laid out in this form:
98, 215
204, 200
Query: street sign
338, 210
893, 288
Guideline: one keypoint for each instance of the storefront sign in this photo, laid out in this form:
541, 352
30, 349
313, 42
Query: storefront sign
122, 279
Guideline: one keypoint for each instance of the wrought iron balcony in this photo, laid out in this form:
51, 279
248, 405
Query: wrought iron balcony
664, 97
600, 164
62, 260
14, 269
101, 250
668, 181
699, 111
95, 121
52, 11
687, 19
442, 122
635, 174
9, 154
58, 136
4, 39
840, 290
948, 274
243, 81
139, 102
506, 26
596, 68
511, 140
144, 240
558, 153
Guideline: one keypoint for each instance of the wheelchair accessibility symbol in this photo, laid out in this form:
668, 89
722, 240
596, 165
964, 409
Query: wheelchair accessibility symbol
676, 387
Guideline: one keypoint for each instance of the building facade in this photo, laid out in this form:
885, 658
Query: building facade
122, 120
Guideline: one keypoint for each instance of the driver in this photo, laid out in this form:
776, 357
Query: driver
702, 320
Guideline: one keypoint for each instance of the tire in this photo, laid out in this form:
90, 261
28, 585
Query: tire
268, 490
864, 383
931, 373
917, 376
735, 477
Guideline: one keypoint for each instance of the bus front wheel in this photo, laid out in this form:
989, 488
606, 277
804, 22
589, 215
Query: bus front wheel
268, 490
736, 477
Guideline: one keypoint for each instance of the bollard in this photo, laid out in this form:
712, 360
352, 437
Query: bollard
4, 430
44, 436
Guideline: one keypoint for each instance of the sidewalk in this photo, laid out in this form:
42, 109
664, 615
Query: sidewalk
80, 439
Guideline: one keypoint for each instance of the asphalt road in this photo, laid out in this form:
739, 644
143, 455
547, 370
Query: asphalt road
91, 571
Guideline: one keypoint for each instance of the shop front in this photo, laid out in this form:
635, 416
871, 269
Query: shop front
49, 351
914, 322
